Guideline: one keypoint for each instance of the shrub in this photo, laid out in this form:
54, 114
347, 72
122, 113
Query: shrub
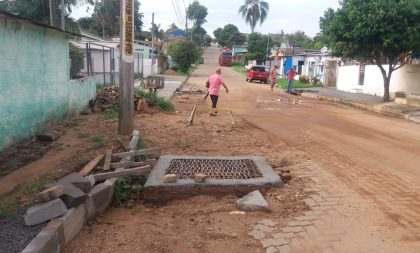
153, 99
184, 53
304, 79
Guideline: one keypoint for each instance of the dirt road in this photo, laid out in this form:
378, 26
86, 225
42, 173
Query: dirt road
368, 164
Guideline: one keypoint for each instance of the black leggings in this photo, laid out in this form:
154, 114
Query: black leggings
214, 99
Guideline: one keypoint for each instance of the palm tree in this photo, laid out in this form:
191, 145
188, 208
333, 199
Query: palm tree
253, 11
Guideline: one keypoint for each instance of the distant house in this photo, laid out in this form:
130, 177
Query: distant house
238, 53
35, 79
176, 34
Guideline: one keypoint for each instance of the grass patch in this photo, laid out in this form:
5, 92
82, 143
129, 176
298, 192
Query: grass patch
37, 186
99, 141
111, 113
153, 99
237, 66
141, 144
7, 206
282, 83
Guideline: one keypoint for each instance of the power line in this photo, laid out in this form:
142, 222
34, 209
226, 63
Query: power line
176, 13
177, 4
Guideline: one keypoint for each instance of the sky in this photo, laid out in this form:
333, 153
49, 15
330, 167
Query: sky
289, 16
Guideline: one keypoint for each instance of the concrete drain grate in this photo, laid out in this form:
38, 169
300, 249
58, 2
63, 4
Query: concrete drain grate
214, 168
237, 175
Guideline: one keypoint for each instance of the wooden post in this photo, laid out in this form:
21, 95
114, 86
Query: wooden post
126, 96
63, 23
52, 12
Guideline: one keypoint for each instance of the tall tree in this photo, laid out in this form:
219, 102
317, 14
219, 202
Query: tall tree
254, 11
157, 31
229, 36
299, 39
172, 27
197, 13
257, 47
374, 31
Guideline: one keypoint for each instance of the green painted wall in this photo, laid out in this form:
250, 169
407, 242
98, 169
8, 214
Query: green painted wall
34, 79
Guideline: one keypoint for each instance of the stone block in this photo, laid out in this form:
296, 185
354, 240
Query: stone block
91, 179
169, 178
47, 241
73, 221
268, 223
252, 202
51, 193
78, 181
99, 199
48, 136
200, 178
41, 213
257, 234
72, 196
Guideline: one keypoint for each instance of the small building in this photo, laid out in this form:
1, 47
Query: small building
238, 53
35, 84
177, 34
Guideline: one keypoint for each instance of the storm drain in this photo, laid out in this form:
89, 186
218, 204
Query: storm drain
236, 175
214, 168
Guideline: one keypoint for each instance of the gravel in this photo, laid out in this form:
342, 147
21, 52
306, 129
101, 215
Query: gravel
14, 234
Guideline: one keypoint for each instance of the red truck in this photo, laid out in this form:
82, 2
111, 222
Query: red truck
225, 58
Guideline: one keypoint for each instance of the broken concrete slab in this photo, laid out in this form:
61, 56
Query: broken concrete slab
268, 223
127, 172
257, 234
73, 221
273, 242
99, 199
78, 181
170, 178
51, 193
252, 202
73, 196
41, 213
200, 177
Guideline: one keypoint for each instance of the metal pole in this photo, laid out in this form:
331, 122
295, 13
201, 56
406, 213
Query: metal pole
153, 44
63, 24
126, 86
103, 63
138, 63
142, 66
111, 78
52, 13
268, 42
87, 59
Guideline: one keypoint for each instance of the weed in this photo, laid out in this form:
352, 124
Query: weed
7, 206
128, 190
111, 113
99, 141
141, 144
154, 100
37, 186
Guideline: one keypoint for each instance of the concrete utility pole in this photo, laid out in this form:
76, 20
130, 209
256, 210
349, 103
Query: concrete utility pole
268, 42
153, 44
126, 96
186, 23
52, 12
63, 24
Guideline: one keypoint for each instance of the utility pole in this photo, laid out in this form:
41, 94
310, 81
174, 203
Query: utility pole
52, 12
153, 43
126, 86
268, 42
63, 26
186, 23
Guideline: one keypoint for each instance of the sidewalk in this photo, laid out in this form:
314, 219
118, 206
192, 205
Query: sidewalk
365, 102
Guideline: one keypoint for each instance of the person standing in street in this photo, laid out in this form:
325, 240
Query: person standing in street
215, 81
290, 76
273, 76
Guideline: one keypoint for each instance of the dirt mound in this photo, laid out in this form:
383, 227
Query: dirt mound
171, 72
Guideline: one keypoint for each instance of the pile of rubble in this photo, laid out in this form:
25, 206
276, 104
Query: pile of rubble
107, 98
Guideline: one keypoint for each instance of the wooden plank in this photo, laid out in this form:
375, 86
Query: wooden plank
132, 164
146, 151
108, 156
191, 119
231, 118
91, 165
128, 172
123, 145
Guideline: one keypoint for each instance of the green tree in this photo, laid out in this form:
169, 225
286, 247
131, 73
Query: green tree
299, 39
374, 31
172, 27
157, 31
229, 36
254, 11
257, 47
184, 53
197, 13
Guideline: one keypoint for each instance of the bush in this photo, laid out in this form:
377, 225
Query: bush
184, 53
77, 60
154, 100
304, 79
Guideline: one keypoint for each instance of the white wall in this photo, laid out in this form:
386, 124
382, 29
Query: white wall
406, 79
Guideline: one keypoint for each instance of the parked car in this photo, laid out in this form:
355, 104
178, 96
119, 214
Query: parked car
258, 72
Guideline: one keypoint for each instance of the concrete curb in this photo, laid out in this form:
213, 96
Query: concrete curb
370, 108
60, 231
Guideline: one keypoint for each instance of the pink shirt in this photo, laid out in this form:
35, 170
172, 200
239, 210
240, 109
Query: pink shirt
291, 74
215, 83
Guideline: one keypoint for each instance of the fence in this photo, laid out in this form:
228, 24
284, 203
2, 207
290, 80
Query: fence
102, 62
